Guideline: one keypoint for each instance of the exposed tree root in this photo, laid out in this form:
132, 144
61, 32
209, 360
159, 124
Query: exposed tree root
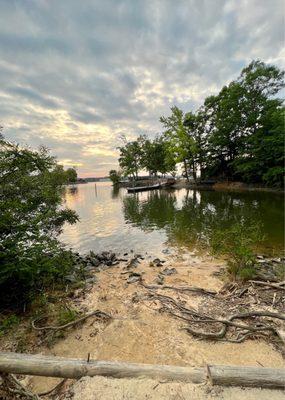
97, 313
12, 385
181, 289
279, 285
54, 389
242, 331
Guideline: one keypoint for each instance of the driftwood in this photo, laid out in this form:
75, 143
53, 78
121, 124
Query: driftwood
39, 365
28, 364
246, 376
96, 313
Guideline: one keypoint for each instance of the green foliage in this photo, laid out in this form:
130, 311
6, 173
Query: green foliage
237, 244
115, 176
71, 175
180, 140
66, 315
153, 155
156, 156
245, 127
130, 158
32, 217
8, 323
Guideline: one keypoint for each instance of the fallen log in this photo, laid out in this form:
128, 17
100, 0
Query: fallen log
28, 364
246, 376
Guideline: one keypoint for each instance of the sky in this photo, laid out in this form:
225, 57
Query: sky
77, 75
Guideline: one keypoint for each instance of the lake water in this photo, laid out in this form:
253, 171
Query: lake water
111, 219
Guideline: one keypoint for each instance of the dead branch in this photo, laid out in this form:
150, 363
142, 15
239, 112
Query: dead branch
278, 285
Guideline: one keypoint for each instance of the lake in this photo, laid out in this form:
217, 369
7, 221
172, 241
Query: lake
111, 219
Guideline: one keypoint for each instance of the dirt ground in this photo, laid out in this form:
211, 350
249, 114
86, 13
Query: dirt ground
99, 388
140, 333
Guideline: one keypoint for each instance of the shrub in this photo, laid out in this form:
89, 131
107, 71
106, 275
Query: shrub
237, 243
32, 216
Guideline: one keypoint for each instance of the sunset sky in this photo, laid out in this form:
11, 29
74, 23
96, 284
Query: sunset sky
76, 75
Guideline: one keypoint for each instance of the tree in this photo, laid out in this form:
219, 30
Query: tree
237, 119
130, 158
32, 217
115, 176
156, 156
180, 141
71, 175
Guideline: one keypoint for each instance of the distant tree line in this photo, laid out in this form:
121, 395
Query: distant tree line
237, 134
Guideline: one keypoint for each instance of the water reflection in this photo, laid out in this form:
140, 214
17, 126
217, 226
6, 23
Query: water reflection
112, 219
189, 217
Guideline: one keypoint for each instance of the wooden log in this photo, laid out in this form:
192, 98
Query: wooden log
273, 378
28, 364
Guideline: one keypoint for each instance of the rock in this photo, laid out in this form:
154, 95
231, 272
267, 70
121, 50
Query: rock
166, 251
91, 280
125, 254
260, 257
262, 261
160, 279
157, 262
133, 279
71, 278
135, 274
276, 260
169, 271
133, 263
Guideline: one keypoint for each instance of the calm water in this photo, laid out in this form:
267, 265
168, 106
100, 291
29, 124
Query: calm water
150, 221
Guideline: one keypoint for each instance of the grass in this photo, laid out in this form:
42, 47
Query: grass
9, 323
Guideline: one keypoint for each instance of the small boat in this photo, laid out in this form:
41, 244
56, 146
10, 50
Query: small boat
136, 189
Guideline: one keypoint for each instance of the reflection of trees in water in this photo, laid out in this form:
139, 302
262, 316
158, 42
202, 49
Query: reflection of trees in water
156, 211
115, 191
73, 190
201, 213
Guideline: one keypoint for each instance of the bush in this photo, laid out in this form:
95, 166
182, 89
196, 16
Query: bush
237, 243
32, 216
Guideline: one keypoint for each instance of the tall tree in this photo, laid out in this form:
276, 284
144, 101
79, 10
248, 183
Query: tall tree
130, 158
180, 141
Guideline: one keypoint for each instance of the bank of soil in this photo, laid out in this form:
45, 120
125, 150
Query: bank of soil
141, 332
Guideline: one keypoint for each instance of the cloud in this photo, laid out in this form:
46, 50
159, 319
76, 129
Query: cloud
76, 75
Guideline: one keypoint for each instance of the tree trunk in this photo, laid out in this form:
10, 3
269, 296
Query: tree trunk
186, 170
